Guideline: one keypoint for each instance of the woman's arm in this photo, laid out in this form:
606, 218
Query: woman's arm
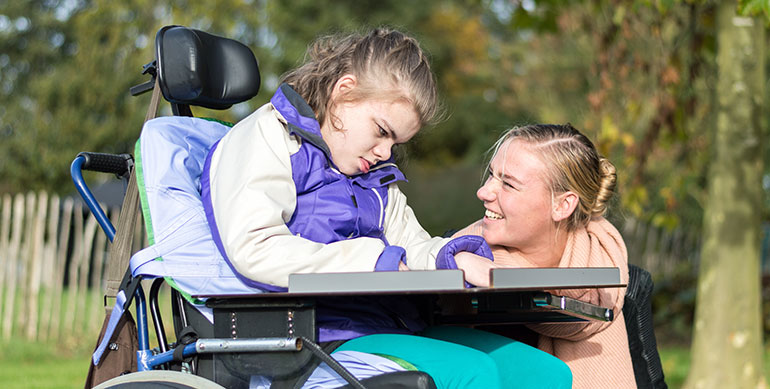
403, 229
598, 245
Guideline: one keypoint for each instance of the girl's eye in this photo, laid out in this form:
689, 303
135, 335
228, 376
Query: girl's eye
382, 131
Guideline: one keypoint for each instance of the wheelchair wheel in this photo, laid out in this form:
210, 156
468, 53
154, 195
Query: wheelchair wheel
166, 379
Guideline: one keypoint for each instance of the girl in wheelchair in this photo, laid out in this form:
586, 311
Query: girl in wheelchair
307, 183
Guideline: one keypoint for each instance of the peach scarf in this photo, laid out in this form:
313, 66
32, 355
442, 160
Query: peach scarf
597, 352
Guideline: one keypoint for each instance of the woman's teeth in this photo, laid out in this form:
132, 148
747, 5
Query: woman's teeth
493, 215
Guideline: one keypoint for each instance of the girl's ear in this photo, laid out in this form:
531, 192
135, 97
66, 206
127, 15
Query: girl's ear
564, 205
344, 84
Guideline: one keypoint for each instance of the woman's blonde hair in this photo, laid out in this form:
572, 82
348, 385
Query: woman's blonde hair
572, 164
386, 63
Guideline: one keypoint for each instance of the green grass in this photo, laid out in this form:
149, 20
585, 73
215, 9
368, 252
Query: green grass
676, 364
62, 363
40, 365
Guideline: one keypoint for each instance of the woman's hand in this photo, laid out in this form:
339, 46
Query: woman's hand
476, 268
402, 266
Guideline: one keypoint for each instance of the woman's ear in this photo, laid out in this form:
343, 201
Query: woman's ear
344, 84
564, 205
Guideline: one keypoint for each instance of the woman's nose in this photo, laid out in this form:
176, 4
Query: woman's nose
487, 191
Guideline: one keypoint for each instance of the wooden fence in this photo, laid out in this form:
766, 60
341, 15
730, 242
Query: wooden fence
658, 250
52, 255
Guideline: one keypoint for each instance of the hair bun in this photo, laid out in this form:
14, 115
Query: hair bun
607, 184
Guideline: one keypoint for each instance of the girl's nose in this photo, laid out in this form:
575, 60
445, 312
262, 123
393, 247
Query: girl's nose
382, 151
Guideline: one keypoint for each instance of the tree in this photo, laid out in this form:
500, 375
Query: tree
65, 71
727, 345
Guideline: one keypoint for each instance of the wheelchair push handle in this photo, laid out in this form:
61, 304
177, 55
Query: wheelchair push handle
119, 164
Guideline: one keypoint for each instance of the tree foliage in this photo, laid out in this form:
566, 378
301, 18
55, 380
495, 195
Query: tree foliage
635, 76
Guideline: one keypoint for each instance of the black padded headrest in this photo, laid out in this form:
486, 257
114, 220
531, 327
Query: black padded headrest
198, 68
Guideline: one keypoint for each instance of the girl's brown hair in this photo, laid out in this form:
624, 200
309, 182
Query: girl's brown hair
386, 63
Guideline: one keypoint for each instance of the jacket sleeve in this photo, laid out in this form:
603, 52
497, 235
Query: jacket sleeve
403, 229
253, 197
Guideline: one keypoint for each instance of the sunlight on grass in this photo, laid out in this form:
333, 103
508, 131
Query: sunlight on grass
42, 365
676, 364
38, 365
63, 363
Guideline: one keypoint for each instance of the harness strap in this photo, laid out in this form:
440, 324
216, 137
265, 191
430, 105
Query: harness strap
120, 250
119, 283
117, 312
186, 336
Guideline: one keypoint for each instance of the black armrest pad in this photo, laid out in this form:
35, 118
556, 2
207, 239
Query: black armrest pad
637, 311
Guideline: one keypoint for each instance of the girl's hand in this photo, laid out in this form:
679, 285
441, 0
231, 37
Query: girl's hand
476, 268
402, 266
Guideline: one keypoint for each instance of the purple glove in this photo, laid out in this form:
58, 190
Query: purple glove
390, 258
470, 243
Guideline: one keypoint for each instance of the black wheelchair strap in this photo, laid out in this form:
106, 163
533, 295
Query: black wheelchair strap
296, 381
186, 336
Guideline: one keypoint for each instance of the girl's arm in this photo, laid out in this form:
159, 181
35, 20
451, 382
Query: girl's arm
403, 229
423, 252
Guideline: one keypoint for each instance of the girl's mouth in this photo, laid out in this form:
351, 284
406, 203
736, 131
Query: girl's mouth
364, 164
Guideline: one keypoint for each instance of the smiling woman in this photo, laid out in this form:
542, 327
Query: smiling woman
545, 196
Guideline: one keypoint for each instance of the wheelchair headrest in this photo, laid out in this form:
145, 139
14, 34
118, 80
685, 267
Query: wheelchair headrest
197, 68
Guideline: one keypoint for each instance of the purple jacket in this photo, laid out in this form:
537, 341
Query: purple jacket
331, 207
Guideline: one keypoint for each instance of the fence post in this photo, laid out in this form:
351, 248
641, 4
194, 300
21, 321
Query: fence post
49, 267
96, 313
25, 259
13, 261
5, 258
72, 284
81, 318
36, 257
60, 263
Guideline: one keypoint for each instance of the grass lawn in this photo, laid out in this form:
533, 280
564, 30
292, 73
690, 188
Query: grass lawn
35, 365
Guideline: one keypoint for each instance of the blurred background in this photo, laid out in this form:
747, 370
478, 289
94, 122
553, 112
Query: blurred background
638, 77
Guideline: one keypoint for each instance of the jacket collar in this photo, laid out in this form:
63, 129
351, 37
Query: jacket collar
302, 122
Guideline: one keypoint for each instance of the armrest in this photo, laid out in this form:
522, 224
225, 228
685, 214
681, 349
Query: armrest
573, 307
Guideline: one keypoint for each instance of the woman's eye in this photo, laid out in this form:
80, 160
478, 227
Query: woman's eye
382, 131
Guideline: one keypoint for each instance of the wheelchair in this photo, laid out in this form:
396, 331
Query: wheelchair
248, 338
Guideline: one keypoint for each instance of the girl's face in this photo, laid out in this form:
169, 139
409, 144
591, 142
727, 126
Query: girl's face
366, 130
517, 199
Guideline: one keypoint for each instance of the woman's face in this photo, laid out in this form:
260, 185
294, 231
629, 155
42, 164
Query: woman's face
367, 130
517, 199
